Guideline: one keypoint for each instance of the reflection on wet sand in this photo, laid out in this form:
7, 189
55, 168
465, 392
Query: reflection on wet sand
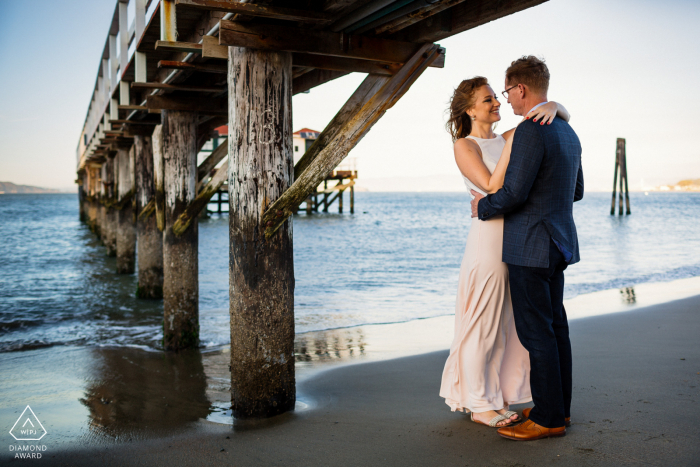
131, 391
628, 296
325, 346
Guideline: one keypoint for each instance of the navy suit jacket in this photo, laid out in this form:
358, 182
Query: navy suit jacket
543, 179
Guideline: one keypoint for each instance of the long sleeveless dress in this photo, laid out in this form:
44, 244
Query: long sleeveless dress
488, 367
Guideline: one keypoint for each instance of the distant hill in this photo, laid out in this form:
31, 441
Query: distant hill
9, 187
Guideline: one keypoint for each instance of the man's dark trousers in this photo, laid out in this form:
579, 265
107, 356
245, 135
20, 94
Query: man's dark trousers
542, 327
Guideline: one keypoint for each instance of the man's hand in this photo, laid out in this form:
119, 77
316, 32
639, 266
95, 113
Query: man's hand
475, 203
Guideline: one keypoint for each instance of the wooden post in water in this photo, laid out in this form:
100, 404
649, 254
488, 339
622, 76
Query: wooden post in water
126, 230
150, 239
261, 272
109, 216
101, 199
180, 261
352, 199
82, 198
93, 171
158, 176
621, 166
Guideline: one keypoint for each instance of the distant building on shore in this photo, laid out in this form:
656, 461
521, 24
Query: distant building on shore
683, 185
302, 140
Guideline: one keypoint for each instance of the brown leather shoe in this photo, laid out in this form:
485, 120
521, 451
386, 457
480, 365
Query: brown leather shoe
526, 414
529, 430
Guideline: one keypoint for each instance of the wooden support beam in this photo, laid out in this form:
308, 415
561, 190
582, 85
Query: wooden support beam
251, 9
416, 16
174, 46
461, 17
212, 160
133, 122
131, 107
340, 186
345, 64
343, 133
202, 67
207, 106
284, 38
178, 87
212, 49
200, 202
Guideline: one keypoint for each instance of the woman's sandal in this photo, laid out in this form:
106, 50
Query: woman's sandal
509, 414
493, 422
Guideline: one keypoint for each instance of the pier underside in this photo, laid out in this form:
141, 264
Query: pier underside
181, 69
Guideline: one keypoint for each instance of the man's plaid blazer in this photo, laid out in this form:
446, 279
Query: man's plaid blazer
543, 179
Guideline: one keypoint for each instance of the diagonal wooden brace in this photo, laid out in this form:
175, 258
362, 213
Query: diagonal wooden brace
202, 199
212, 160
375, 96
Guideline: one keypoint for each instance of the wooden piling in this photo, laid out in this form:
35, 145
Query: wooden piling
150, 239
621, 167
261, 272
159, 195
93, 209
352, 199
126, 229
180, 261
109, 213
82, 198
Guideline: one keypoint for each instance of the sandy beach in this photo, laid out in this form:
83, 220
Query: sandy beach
636, 386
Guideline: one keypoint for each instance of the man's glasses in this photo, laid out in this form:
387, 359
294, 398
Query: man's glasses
505, 93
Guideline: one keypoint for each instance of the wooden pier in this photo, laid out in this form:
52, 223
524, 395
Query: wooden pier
172, 71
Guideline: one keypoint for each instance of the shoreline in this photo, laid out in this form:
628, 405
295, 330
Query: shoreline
98, 401
631, 371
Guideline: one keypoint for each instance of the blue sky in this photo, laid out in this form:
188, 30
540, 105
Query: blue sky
623, 69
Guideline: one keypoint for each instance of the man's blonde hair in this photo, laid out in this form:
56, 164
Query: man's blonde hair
530, 71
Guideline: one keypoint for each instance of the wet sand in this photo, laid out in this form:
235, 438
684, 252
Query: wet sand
636, 388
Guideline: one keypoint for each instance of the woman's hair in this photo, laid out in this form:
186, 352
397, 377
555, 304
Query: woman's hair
459, 124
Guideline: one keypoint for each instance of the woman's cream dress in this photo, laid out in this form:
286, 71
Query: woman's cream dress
488, 367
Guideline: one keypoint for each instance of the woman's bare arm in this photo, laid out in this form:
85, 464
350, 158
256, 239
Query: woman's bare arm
471, 164
546, 113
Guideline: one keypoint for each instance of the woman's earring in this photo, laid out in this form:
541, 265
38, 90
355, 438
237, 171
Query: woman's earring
473, 118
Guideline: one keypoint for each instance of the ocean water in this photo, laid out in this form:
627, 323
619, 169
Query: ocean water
396, 259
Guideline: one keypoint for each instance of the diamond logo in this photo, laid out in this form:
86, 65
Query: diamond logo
28, 427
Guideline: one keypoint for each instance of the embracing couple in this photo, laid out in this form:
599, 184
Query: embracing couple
511, 342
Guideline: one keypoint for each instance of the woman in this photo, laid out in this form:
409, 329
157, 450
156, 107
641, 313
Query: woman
488, 368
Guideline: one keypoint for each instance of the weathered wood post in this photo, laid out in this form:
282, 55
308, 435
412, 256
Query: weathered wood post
82, 198
101, 193
109, 213
621, 166
261, 273
150, 239
180, 260
92, 171
159, 196
126, 231
352, 198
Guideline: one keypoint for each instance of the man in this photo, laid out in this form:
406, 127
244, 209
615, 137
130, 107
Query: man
543, 180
